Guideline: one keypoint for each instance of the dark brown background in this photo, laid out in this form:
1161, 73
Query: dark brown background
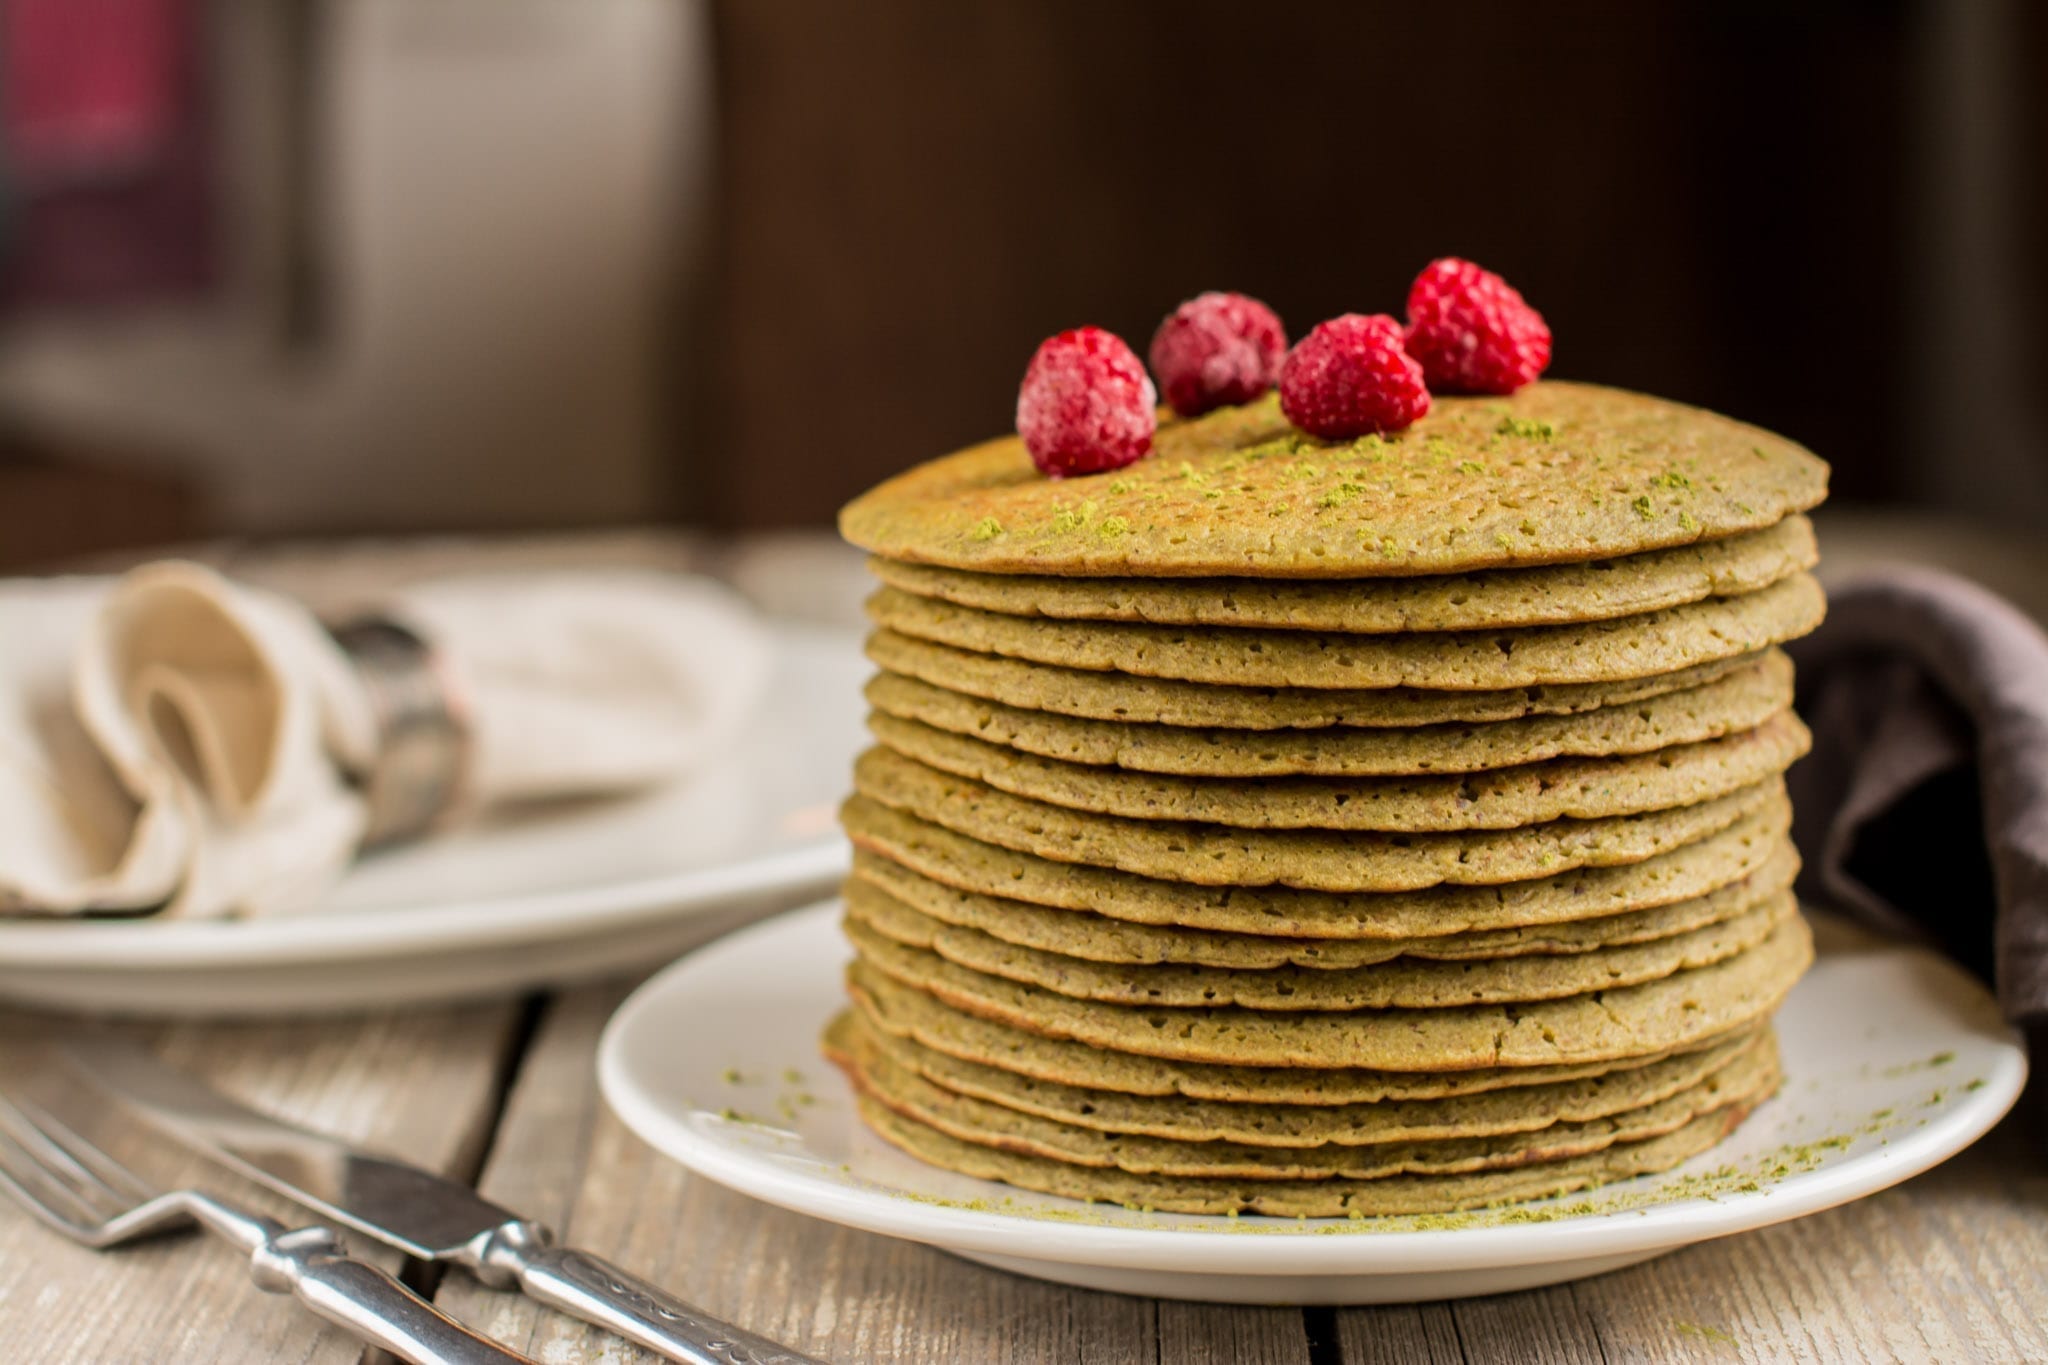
1722, 203
1824, 216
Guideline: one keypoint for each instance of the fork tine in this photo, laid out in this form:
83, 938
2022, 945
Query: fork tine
107, 1173
58, 1164
40, 1191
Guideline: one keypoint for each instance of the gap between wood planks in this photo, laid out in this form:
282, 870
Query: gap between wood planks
1319, 1325
424, 1277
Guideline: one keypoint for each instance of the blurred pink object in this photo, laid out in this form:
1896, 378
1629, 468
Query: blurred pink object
106, 153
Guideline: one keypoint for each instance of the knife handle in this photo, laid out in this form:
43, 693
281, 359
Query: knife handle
595, 1290
311, 1264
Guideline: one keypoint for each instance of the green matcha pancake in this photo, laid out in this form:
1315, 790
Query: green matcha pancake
899, 1011
1507, 798
1519, 1110
1098, 938
1557, 473
1553, 595
1749, 844
993, 1125
1683, 1009
1315, 860
1399, 984
1400, 1194
1452, 661
1745, 698
1096, 695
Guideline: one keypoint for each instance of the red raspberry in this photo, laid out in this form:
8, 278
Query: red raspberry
1217, 349
1086, 404
1349, 377
1472, 332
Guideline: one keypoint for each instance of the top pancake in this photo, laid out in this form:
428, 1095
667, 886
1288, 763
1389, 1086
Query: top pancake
1557, 473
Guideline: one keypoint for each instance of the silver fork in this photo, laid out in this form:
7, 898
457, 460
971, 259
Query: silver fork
85, 1194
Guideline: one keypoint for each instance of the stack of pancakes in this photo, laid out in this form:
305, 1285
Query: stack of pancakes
1321, 829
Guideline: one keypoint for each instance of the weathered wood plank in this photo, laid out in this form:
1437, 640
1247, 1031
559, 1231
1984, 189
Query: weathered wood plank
1547, 1327
843, 1295
1225, 1333
424, 1083
1950, 1266
1399, 1334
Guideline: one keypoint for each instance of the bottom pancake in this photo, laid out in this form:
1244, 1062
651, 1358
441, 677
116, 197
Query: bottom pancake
1741, 1078
1520, 1109
1339, 1198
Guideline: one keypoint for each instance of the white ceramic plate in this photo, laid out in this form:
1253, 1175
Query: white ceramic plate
543, 897
1894, 1060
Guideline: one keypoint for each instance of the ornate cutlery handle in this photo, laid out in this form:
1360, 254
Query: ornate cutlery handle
312, 1264
597, 1291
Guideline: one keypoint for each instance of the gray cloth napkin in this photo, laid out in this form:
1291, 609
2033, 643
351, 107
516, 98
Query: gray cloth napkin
1923, 808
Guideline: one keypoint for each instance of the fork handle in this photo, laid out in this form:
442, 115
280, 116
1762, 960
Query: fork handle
593, 1289
312, 1264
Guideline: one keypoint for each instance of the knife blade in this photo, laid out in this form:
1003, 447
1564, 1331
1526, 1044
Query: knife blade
428, 1216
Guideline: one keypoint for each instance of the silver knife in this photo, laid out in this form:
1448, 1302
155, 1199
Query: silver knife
425, 1215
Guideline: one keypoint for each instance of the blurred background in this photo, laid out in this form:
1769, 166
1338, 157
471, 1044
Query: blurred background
298, 268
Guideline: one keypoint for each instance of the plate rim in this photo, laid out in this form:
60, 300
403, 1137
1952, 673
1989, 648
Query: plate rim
145, 945
1666, 1226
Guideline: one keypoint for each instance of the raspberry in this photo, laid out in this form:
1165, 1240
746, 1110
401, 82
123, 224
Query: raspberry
1472, 331
1217, 349
1350, 376
1086, 404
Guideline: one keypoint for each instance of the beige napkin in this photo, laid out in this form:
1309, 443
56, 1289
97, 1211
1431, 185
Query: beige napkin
172, 742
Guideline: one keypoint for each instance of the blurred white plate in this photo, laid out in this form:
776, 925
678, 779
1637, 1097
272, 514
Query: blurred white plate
1894, 1060
542, 897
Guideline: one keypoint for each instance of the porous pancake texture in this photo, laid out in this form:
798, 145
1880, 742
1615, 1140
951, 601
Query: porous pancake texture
1558, 473
1332, 829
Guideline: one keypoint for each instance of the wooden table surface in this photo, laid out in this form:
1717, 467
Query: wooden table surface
1950, 1266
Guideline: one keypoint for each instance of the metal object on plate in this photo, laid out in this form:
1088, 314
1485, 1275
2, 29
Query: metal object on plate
423, 732
426, 1215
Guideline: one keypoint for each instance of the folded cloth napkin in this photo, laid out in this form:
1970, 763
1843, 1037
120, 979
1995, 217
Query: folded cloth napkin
172, 742
1923, 807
